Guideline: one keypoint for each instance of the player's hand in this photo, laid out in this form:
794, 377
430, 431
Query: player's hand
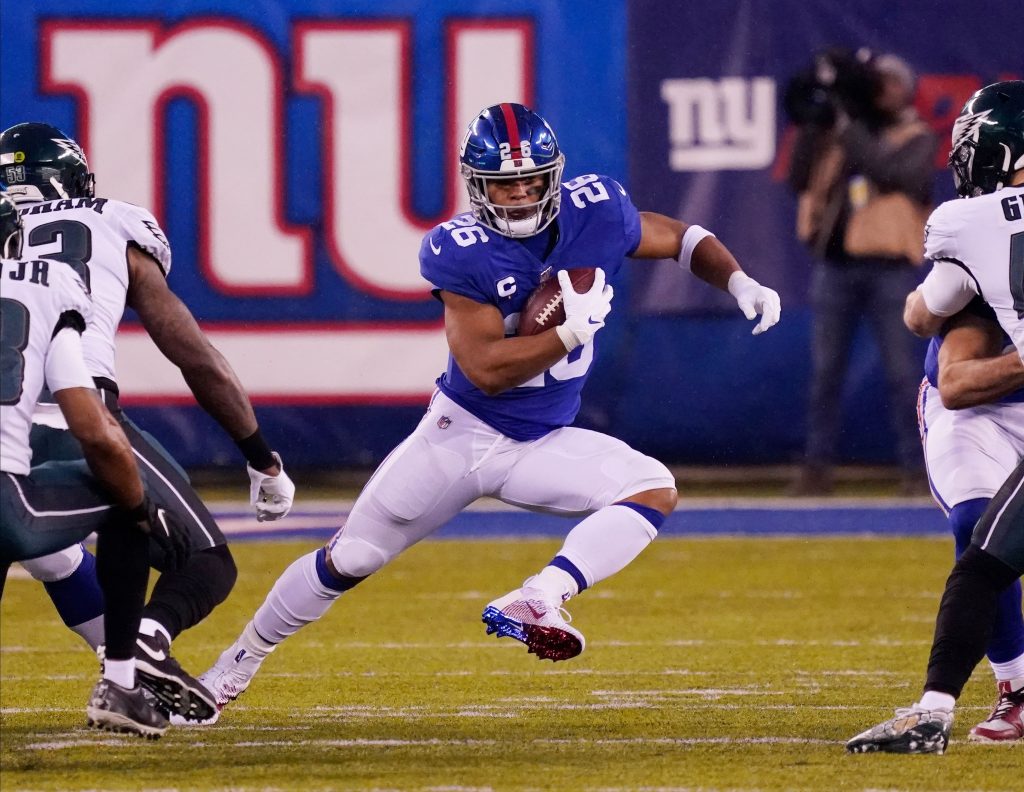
584, 312
271, 495
754, 299
166, 529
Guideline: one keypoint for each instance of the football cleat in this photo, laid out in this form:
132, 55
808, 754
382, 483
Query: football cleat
176, 690
912, 731
544, 627
228, 678
1006, 723
117, 709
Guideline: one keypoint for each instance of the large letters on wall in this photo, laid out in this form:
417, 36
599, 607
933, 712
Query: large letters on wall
361, 72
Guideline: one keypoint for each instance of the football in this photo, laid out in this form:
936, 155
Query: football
544, 309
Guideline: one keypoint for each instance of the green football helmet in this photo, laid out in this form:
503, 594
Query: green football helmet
10, 228
988, 139
38, 162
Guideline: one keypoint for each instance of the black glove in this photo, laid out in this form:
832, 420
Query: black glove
166, 529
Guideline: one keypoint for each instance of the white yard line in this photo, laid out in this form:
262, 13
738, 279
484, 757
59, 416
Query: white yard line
52, 745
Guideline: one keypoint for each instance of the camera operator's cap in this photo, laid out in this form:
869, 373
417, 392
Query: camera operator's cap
890, 65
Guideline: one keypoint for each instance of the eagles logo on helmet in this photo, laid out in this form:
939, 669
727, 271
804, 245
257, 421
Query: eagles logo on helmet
507, 142
40, 163
988, 139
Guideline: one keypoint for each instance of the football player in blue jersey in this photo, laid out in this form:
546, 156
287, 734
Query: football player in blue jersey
499, 423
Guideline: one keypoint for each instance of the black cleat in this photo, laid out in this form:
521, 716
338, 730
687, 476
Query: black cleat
117, 709
160, 673
912, 731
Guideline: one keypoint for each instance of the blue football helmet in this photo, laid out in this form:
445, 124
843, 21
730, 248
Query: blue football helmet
508, 142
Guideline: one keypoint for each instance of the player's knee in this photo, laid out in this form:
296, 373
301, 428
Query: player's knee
56, 566
661, 499
227, 570
962, 520
213, 573
989, 571
357, 558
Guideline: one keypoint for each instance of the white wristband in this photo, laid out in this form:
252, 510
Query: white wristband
693, 235
569, 339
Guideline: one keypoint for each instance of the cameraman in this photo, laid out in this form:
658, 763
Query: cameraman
862, 167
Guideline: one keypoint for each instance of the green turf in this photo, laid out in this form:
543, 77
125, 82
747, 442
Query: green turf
712, 664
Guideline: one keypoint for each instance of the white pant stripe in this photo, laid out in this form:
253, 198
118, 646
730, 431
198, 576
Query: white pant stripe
64, 513
184, 503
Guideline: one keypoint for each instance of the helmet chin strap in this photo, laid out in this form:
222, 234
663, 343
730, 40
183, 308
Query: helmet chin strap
55, 183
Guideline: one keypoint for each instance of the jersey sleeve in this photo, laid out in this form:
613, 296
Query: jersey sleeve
940, 233
630, 218
73, 303
948, 288
601, 208
65, 365
141, 229
447, 266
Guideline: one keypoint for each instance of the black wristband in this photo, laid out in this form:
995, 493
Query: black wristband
139, 513
257, 452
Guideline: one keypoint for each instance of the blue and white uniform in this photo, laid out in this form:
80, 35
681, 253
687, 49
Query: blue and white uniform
517, 446
968, 452
598, 226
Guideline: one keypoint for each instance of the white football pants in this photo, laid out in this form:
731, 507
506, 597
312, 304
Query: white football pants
452, 458
969, 452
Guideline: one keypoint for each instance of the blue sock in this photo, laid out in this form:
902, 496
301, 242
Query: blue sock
329, 580
563, 563
962, 519
653, 516
78, 597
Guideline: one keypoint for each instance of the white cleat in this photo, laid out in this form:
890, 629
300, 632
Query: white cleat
228, 678
543, 626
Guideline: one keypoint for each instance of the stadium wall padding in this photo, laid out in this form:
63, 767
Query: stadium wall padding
296, 150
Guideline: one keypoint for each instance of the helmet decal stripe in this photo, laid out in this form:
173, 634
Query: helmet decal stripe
506, 142
512, 126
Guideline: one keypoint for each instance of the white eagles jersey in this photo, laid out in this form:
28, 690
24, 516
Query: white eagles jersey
37, 298
985, 237
93, 236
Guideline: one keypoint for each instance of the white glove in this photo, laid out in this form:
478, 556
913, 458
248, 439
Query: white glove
271, 495
584, 313
754, 299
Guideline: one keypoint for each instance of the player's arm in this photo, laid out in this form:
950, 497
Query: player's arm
107, 449
104, 445
945, 291
492, 362
177, 335
697, 250
210, 378
972, 367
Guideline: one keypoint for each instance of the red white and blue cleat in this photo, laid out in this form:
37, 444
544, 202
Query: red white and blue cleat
543, 626
1006, 722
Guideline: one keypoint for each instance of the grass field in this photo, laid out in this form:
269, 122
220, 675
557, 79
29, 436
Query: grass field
711, 664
